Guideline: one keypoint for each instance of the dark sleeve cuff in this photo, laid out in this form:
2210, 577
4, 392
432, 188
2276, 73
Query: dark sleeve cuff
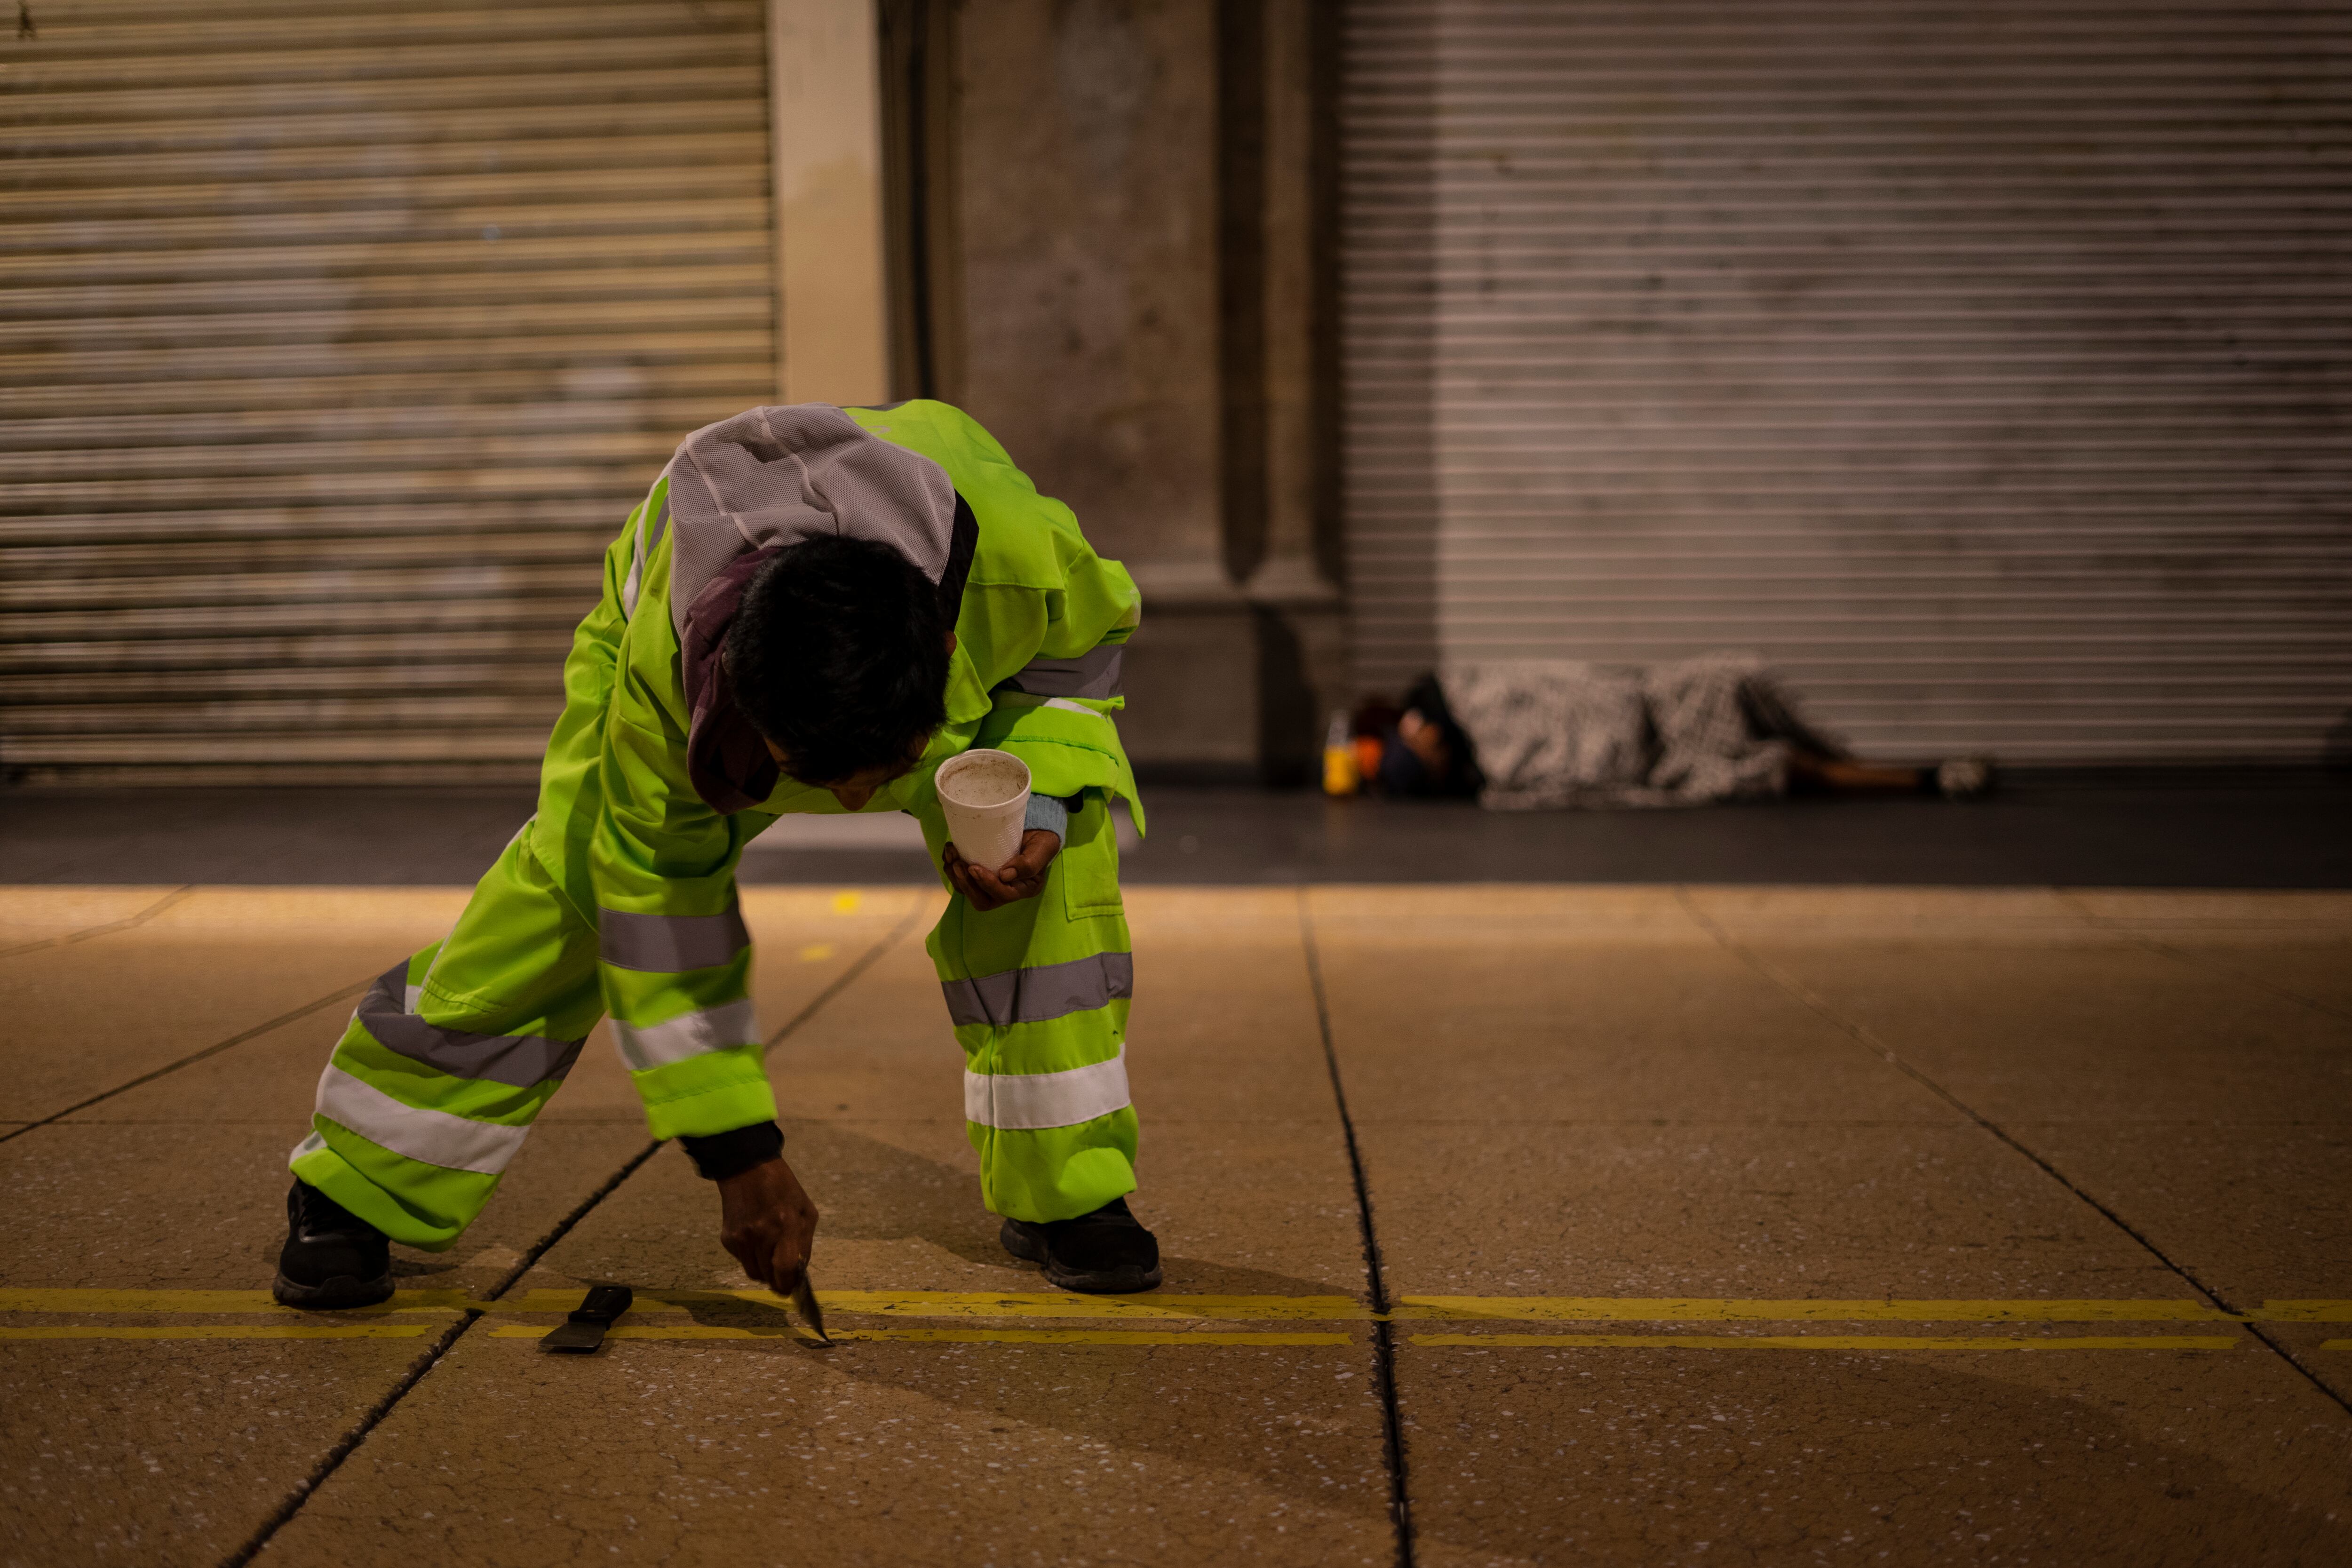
725, 1154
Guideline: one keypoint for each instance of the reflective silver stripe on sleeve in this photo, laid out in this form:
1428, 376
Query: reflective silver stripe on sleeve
1048, 991
663, 945
389, 1012
1033, 1099
636, 573
1094, 674
647, 542
646, 1046
433, 1137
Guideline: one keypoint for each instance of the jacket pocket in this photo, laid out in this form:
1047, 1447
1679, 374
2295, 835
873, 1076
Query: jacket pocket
1089, 861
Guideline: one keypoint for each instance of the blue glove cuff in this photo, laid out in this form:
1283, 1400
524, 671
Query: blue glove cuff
1049, 813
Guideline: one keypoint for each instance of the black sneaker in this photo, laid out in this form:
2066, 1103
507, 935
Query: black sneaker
333, 1258
1105, 1253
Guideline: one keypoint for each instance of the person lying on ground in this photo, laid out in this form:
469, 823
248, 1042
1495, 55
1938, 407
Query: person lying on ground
1530, 733
812, 608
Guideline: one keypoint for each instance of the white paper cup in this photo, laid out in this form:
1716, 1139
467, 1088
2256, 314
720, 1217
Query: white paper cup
984, 796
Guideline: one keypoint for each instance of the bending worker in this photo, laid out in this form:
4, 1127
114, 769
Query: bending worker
813, 607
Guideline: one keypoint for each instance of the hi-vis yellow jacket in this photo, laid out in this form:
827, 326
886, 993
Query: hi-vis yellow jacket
653, 785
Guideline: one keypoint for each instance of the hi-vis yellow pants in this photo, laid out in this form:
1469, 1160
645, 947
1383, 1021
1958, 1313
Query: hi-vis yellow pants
452, 1054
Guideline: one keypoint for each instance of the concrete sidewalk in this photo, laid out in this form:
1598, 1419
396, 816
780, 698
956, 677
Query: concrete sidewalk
2176, 829
1710, 1223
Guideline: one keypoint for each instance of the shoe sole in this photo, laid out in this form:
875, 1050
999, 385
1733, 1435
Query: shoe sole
1015, 1240
1105, 1282
1097, 1282
341, 1291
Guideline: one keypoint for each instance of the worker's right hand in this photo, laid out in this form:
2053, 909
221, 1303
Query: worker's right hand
768, 1223
1023, 876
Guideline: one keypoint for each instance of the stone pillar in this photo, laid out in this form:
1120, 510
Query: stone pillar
1282, 516
831, 325
1122, 229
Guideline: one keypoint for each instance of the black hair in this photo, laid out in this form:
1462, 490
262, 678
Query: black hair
838, 654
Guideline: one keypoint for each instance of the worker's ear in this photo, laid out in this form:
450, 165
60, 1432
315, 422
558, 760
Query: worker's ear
951, 643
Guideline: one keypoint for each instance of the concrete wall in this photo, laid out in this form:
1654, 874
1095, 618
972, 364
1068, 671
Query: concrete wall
1088, 207
1110, 297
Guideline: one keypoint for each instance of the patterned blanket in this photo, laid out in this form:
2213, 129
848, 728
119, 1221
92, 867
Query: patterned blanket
1559, 732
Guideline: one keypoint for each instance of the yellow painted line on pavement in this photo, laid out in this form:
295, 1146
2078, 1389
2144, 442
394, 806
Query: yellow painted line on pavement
1141, 1310
945, 1336
1722, 1310
989, 1304
214, 1331
240, 1301
1825, 1341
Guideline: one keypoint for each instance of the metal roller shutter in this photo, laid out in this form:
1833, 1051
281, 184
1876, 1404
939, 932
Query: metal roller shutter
335, 344
1984, 367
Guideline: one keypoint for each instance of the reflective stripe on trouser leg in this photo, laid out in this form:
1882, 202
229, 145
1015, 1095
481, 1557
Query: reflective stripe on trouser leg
1038, 993
691, 1039
449, 1057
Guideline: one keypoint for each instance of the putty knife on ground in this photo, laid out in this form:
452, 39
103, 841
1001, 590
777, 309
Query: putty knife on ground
585, 1330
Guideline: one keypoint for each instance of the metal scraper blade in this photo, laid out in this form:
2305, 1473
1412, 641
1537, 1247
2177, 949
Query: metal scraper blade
585, 1330
577, 1338
804, 1303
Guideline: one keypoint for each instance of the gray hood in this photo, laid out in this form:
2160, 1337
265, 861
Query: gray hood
779, 475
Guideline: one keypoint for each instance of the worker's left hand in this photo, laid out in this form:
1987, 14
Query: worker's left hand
1023, 876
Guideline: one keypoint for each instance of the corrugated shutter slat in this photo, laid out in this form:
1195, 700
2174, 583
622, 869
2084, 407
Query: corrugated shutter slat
335, 345
1983, 368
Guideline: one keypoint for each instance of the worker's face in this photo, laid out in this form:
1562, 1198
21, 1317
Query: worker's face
858, 788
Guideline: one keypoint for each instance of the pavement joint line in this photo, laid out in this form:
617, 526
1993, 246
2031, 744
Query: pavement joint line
424, 1362
130, 922
1392, 1446
1863, 1036
339, 993
2154, 945
348, 1443
470, 1314
843, 981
